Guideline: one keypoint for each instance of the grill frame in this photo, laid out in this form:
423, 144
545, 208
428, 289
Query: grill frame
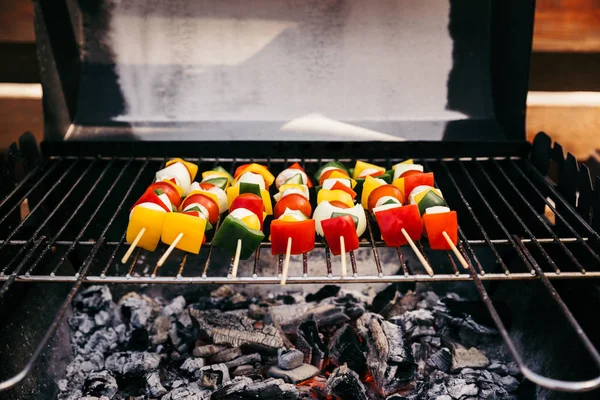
530, 170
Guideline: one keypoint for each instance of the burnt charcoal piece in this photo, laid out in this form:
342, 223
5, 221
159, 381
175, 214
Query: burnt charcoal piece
290, 317
289, 359
296, 375
269, 389
344, 384
160, 330
214, 376
176, 306
132, 363
467, 358
244, 360
441, 360
182, 330
235, 330
191, 367
189, 392
345, 348
100, 384
323, 293
93, 299
224, 356
101, 341
138, 310
389, 359
154, 387
208, 349
309, 342
243, 370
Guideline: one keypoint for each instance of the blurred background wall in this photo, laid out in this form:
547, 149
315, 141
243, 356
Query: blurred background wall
565, 74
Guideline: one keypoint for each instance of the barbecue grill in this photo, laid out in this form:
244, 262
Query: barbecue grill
526, 212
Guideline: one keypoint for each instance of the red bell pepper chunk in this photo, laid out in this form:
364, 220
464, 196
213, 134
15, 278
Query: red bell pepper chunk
298, 167
341, 186
412, 181
392, 221
435, 224
150, 197
301, 232
250, 202
337, 227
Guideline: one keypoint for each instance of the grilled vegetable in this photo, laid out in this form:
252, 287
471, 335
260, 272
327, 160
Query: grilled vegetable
145, 216
242, 225
252, 203
295, 225
204, 203
363, 169
335, 195
392, 218
337, 227
255, 169
425, 197
370, 185
156, 197
179, 172
214, 192
407, 183
191, 226
326, 170
293, 201
191, 167
293, 174
405, 169
218, 176
437, 220
328, 209
290, 188
383, 195
241, 187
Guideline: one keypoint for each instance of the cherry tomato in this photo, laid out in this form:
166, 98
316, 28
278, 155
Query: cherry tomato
250, 202
206, 186
385, 190
169, 190
206, 202
293, 201
377, 173
327, 174
409, 173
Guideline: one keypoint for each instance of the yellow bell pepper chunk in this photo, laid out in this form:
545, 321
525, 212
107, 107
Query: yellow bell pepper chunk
152, 220
217, 173
266, 197
190, 166
418, 197
192, 228
334, 195
232, 193
261, 170
252, 222
360, 166
369, 185
341, 175
399, 183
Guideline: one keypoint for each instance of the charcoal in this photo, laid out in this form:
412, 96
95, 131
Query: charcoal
401, 305
344, 384
82, 323
345, 348
83, 365
289, 317
235, 330
243, 370
191, 367
182, 329
460, 389
257, 312
323, 293
417, 319
208, 349
389, 358
421, 331
160, 330
138, 310
310, 344
441, 359
189, 392
100, 341
289, 359
434, 341
101, 384
102, 318
243, 360
467, 358
429, 300
154, 387
269, 389
175, 307
509, 383
132, 363
296, 375
504, 369
420, 354
93, 299
224, 356
213, 376
222, 291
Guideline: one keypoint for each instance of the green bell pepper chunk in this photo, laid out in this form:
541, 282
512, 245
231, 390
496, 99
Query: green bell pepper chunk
430, 200
250, 188
233, 229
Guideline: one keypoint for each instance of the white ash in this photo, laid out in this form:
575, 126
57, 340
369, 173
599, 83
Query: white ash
415, 347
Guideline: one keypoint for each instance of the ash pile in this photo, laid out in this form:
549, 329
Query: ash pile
332, 344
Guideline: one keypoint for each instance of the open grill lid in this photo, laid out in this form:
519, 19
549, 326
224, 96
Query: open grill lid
285, 70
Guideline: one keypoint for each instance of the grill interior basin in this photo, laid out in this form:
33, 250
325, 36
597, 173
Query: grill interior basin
530, 242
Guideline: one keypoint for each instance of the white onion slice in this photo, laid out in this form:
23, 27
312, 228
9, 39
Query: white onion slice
437, 210
399, 169
287, 174
220, 193
419, 189
200, 206
330, 182
240, 213
302, 192
251, 177
368, 171
386, 207
176, 171
325, 209
382, 200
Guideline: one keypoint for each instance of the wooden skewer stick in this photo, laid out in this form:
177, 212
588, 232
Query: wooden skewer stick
133, 246
169, 250
420, 255
236, 258
286, 262
343, 254
457, 253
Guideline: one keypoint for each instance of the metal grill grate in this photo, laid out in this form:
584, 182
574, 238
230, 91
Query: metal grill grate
66, 221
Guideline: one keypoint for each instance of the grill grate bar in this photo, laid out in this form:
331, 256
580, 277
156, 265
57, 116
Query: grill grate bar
23, 182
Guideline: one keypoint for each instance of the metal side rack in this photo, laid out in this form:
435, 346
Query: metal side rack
65, 221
